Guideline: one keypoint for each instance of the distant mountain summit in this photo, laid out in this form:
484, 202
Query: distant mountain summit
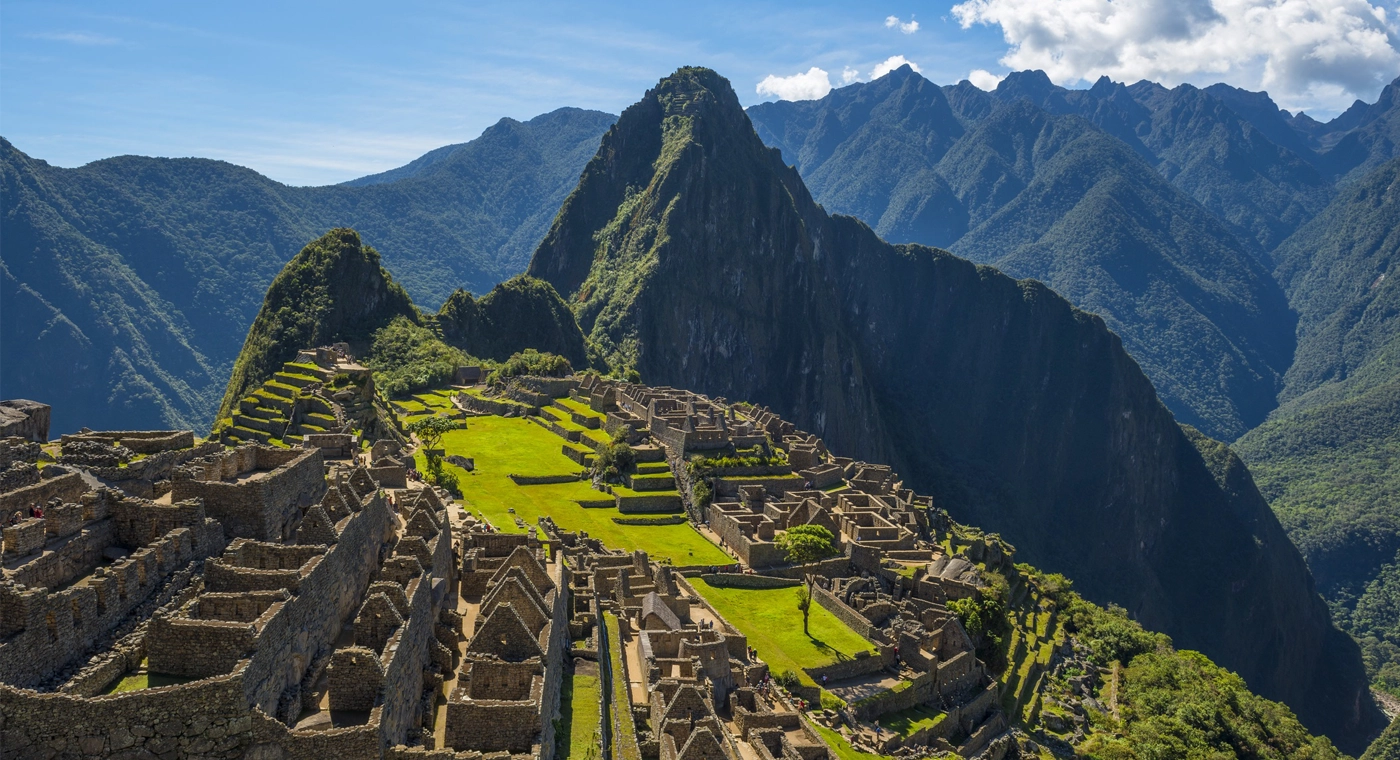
691, 251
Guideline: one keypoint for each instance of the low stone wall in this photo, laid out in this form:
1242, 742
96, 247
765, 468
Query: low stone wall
26, 537
578, 455
667, 520
206, 718
846, 614
836, 567
864, 663
635, 504
139, 441
572, 436
499, 408
544, 480
746, 580
729, 487
66, 487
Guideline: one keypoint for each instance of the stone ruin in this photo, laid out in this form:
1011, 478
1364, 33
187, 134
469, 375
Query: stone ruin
266, 605
507, 690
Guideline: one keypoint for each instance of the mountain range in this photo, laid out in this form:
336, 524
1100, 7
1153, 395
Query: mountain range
137, 278
1242, 255
1245, 255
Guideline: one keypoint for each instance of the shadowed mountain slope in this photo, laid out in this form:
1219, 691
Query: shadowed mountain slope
691, 251
1329, 458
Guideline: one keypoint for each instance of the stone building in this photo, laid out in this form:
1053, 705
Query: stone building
324, 641
507, 691
254, 491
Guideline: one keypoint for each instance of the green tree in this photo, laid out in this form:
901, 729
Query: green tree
804, 603
613, 459
430, 431
806, 543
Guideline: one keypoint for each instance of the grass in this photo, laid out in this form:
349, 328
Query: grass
574, 405
906, 722
773, 624
504, 445
139, 681
579, 718
843, 748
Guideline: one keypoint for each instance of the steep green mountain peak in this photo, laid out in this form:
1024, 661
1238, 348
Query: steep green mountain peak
333, 290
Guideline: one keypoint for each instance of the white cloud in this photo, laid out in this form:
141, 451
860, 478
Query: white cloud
1306, 53
75, 38
893, 22
892, 63
809, 86
816, 83
984, 80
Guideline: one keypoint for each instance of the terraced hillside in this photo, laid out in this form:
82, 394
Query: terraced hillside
281, 412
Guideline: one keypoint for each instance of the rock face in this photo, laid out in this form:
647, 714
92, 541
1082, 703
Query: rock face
690, 251
522, 312
24, 418
334, 290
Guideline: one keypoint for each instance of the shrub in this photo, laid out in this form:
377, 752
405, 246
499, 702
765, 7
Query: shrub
613, 459
529, 362
985, 618
406, 357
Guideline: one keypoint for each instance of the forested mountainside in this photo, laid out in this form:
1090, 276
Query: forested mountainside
336, 290
1026, 176
1329, 458
690, 251
129, 283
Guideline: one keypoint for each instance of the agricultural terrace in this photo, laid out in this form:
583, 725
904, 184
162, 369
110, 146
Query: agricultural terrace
502, 446
773, 624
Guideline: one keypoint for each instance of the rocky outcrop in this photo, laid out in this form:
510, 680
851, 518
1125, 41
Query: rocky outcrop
690, 251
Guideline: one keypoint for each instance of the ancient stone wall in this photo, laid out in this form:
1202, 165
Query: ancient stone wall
69, 559
206, 718
267, 505
47, 630
329, 594
55, 483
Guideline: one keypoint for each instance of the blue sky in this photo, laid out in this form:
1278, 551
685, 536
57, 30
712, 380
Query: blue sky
314, 93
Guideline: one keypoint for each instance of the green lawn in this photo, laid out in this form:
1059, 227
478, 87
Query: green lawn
906, 722
773, 624
501, 446
574, 405
579, 736
843, 748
